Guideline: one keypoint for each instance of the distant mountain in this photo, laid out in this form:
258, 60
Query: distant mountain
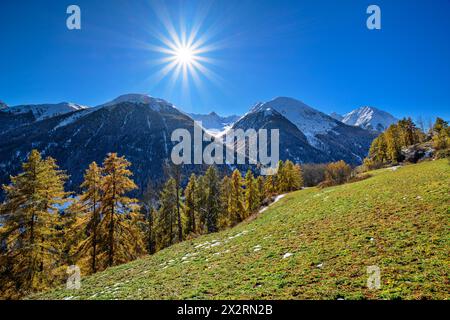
337, 116
369, 118
213, 122
330, 136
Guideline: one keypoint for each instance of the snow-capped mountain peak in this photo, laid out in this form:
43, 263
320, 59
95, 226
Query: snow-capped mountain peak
308, 120
155, 104
130, 97
369, 118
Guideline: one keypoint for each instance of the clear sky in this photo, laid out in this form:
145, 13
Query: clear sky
317, 51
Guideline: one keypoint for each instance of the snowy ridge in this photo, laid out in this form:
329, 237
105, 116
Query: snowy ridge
369, 118
44, 111
155, 104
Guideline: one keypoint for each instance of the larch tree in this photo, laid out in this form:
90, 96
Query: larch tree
225, 198
150, 202
88, 212
270, 186
30, 235
251, 194
191, 205
212, 207
124, 241
236, 210
260, 189
167, 215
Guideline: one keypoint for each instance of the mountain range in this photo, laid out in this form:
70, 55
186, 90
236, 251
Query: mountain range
140, 127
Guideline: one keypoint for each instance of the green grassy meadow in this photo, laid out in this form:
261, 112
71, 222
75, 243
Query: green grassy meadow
312, 244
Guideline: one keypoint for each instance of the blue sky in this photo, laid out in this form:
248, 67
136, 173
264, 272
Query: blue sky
319, 52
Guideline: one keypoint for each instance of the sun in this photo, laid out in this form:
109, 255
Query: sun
187, 53
184, 55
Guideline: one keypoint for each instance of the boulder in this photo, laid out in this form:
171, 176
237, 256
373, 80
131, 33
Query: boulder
418, 152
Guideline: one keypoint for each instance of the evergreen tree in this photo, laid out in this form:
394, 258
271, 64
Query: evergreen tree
30, 233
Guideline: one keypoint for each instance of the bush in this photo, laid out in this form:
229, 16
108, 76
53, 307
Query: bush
442, 154
313, 174
359, 177
338, 172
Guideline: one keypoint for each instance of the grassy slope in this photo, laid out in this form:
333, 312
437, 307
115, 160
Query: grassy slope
406, 212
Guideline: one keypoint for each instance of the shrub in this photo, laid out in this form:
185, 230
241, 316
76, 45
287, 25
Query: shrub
313, 174
338, 172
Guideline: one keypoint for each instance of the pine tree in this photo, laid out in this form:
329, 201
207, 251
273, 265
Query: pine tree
124, 241
251, 194
30, 226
